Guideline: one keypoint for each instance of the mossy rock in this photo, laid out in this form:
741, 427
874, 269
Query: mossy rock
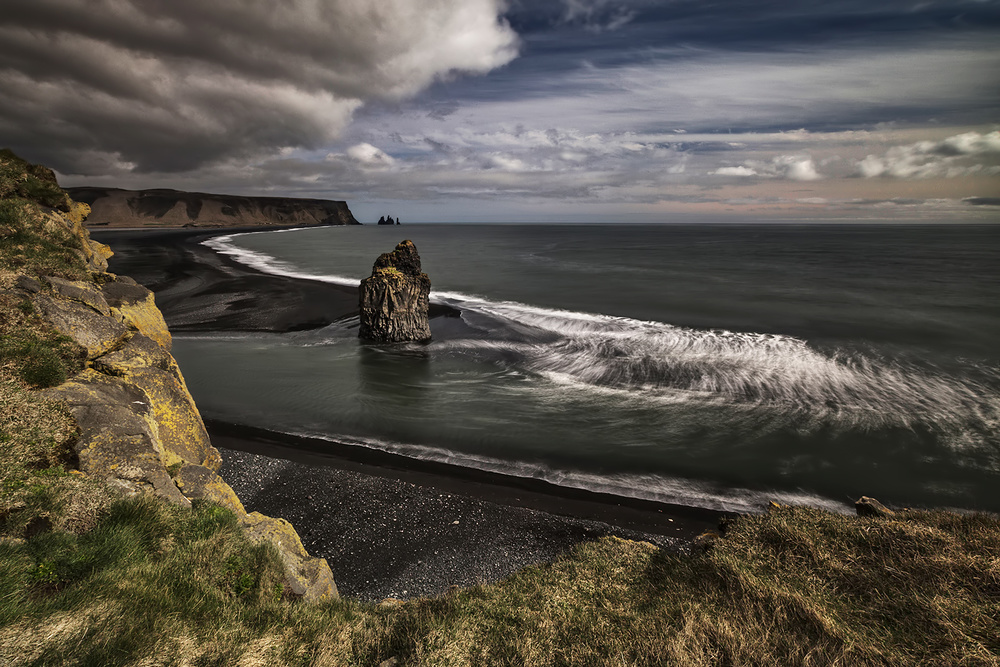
306, 577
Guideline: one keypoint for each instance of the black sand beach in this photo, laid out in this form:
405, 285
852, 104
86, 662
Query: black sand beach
389, 526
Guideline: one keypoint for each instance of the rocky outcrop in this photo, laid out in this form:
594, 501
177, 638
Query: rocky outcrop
98, 334
119, 435
306, 577
182, 434
140, 430
869, 507
111, 207
133, 305
394, 300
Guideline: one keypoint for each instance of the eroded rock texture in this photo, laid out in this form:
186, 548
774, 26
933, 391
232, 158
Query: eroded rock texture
140, 430
394, 300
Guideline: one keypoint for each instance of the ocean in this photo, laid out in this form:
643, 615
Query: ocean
709, 365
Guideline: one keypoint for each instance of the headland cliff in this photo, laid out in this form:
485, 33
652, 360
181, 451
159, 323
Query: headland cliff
112, 207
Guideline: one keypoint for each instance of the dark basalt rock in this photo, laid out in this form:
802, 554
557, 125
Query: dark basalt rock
394, 300
869, 507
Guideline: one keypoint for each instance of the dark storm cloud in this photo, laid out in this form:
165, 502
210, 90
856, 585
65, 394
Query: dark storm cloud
170, 85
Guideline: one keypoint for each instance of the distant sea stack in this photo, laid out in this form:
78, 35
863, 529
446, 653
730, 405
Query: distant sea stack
111, 207
394, 300
388, 221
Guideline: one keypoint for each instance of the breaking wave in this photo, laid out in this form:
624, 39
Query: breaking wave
653, 358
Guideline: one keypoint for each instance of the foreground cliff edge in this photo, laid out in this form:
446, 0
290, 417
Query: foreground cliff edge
146, 560
139, 430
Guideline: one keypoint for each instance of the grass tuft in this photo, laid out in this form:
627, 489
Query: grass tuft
30, 246
20, 179
31, 350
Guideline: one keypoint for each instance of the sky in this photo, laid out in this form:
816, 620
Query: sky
520, 110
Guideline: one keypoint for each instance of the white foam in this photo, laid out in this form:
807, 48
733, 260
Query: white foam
656, 360
268, 264
659, 488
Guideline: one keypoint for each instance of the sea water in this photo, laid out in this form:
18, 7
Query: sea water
713, 365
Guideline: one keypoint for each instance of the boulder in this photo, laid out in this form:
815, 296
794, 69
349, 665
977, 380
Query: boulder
97, 255
199, 482
866, 506
83, 292
183, 437
134, 306
306, 576
119, 438
91, 330
394, 300
28, 284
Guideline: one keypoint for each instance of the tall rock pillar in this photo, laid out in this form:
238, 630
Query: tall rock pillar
394, 300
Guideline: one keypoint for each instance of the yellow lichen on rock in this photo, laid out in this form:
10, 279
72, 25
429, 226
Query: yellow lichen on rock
91, 330
146, 318
95, 254
81, 291
306, 576
78, 212
182, 433
135, 307
119, 438
199, 482
140, 429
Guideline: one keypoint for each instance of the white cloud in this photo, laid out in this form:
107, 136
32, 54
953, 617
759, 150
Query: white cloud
965, 154
698, 91
970, 143
506, 163
369, 155
597, 15
791, 167
800, 169
734, 171
871, 166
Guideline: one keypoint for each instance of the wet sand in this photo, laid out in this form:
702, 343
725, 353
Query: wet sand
388, 526
200, 290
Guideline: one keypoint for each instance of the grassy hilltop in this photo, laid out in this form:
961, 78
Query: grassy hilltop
89, 577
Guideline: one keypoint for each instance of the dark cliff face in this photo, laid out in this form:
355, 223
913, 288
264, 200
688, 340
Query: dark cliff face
112, 207
394, 300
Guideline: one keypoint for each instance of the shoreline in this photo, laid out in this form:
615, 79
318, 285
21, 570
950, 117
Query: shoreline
401, 533
634, 514
389, 526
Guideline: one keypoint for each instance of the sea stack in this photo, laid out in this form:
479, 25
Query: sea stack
394, 300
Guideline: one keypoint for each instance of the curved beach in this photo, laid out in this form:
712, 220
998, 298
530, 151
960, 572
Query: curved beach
389, 526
